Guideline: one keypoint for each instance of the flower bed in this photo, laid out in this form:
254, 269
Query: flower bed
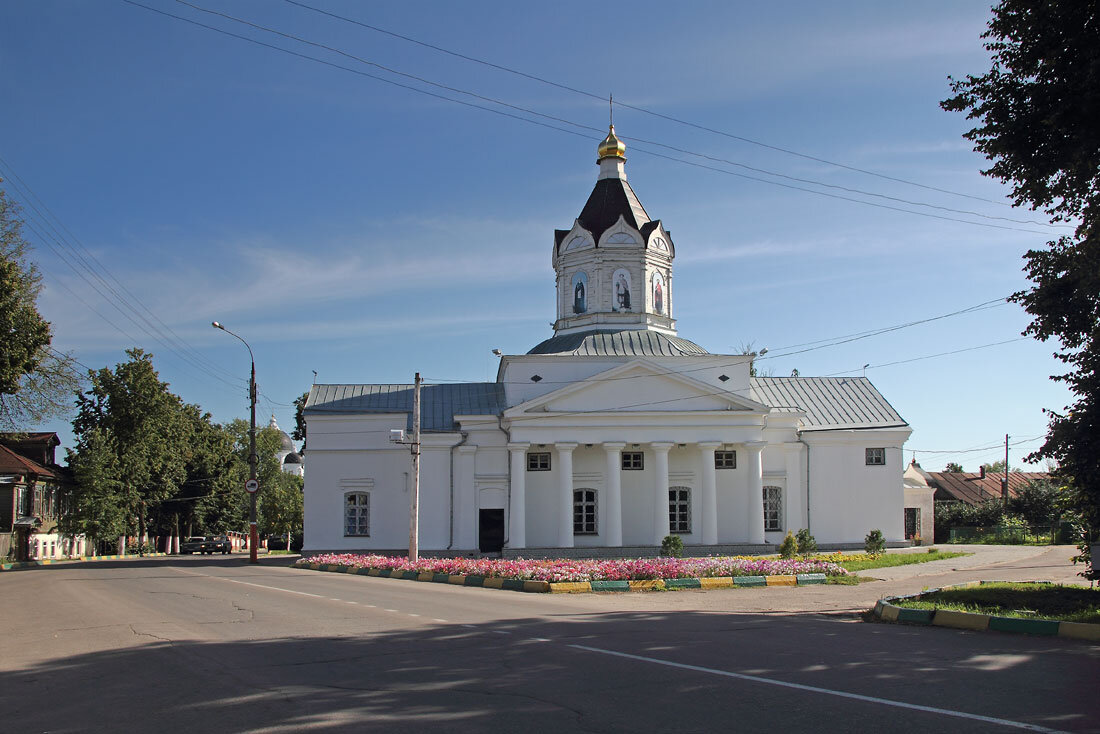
626, 569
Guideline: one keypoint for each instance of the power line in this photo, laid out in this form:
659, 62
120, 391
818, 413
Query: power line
602, 98
994, 445
933, 356
554, 127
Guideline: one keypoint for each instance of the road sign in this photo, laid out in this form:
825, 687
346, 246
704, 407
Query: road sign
251, 486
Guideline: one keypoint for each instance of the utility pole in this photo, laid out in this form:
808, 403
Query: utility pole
414, 500
1004, 484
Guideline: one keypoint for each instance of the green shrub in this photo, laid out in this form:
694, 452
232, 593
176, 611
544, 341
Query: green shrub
806, 542
789, 547
672, 546
874, 544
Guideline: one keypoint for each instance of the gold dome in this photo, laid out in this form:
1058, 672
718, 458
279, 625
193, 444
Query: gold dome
612, 147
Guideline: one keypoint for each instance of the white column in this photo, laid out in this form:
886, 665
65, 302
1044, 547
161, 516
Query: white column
754, 507
465, 499
517, 520
660, 491
613, 497
709, 505
565, 494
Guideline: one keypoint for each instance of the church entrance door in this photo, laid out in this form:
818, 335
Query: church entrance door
490, 531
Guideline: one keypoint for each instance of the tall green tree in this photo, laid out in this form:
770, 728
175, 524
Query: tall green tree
133, 433
36, 383
1036, 111
279, 502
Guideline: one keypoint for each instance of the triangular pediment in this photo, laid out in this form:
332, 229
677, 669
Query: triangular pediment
637, 386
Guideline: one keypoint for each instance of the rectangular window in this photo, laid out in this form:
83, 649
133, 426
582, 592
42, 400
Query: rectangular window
876, 457
679, 510
538, 461
633, 460
357, 513
584, 512
773, 508
725, 459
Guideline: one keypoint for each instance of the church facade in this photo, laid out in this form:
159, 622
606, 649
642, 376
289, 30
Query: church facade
609, 435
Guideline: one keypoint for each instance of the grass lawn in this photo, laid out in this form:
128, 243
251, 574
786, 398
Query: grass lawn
862, 562
1027, 601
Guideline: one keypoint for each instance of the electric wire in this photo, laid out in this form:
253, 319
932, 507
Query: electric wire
643, 110
504, 113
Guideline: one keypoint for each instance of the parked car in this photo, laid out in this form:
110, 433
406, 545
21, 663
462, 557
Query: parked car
217, 544
193, 544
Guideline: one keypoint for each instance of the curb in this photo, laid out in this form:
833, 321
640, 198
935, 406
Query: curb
571, 587
888, 612
20, 565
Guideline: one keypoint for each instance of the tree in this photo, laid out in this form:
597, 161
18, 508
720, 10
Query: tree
36, 383
995, 467
279, 501
1036, 110
1036, 502
299, 432
953, 468
132, 436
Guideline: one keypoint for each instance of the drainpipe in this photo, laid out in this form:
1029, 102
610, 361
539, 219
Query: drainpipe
508, 496
807, 482
465, 436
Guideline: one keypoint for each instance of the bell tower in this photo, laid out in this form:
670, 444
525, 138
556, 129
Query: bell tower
614, 266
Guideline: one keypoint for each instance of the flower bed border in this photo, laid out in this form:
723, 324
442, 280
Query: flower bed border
888, 612
571, 587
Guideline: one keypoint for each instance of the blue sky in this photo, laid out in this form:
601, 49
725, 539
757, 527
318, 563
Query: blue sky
357, 228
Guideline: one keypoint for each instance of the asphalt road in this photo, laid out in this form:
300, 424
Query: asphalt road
215, 645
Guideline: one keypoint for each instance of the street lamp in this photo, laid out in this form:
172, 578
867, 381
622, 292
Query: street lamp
252, 486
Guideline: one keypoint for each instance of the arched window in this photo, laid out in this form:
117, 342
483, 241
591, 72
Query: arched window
584, 512
679, 510
357, 513
773, 508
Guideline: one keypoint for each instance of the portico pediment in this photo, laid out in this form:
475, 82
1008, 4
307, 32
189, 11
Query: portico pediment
637, 386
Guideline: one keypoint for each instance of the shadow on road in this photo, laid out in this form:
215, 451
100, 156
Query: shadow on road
527, 675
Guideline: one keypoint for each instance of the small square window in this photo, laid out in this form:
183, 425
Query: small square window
538, 461
633, 460
876, 457
725, 459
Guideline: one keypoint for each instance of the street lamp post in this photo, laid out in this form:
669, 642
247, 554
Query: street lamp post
253, 534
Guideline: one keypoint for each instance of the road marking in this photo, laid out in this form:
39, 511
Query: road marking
441, 621
393, 610
826, 691
500, 632
412, 615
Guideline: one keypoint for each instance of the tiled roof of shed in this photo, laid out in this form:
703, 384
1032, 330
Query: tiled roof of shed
621, 343
973, 489
830, 403
439, 404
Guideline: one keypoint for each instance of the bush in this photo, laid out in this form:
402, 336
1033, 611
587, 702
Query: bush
789, 547
806, 542
672, 546
1036, 503
874, 544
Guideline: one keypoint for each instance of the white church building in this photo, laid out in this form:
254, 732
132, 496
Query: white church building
611, 434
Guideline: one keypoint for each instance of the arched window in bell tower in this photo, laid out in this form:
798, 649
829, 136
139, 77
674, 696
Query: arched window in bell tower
620, 290
580, 292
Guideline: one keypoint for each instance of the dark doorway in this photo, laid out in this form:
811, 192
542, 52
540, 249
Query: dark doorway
490, 531
912, 522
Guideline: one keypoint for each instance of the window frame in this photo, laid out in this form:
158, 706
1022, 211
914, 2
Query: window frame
535, 461
586, 500
679, 520
873, 459
773, 521
363, 511
629, 457
725, 459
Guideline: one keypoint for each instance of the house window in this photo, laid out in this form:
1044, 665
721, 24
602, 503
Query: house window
725, 459
357, 513
584, 512
876, 457
538, 461
679, 510
773, 508
632, 460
